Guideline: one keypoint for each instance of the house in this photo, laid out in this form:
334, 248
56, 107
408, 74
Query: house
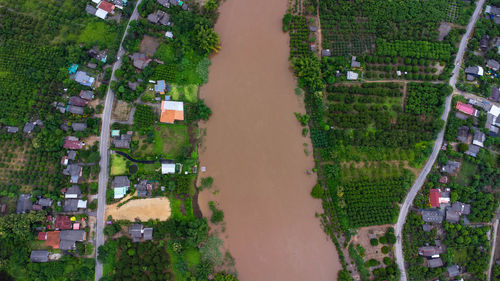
135, 230
52, 239
452, 216
79, 127
171, 111
426, 227
484, 43
74, 171
120, 3
73, 68
77, 101
91, 10
430, 251
39, 256
98, 55
24, 204
115, 133
69, 237
71, 155
120, 185
473, 150
450, 167
148, 233
75, 109
122, 141
144, 188
42, 236
432, 216
453, 270
82, 204
133, 85
70, 205
467, 109
495, 94
28, 127
461, 208
437, 197
463, 134
62, 222
169, 34
326, 53
433, 263
140, 60
461, 115
44, 202
351, 75
164, 3
159, 17
167, 168
84, 79
473, 71
73, 143
103, 9
354, 63
160, 87
73, 192
86, 95
493, 64
313, 28
61, 107
479, 138
92, 65
12, 130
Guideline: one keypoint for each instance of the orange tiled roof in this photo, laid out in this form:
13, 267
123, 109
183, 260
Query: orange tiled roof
169, 116
52, 239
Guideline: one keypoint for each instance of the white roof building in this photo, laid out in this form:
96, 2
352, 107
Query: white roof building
169, 34
495, 110
167, 168
173, 105
351, 75
82, 204
96, 1
101, 13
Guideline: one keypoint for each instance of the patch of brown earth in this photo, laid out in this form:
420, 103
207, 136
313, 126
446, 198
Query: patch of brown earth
148, 45
143, 209
121, 111
254, 151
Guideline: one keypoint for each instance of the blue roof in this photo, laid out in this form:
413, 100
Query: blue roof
84, 79
72, 69
160, 86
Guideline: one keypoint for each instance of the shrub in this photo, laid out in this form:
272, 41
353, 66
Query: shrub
374, 242
463, 147
387, 261
372, 262
383, 240
317, 191
207, 182
217, 214
385, 250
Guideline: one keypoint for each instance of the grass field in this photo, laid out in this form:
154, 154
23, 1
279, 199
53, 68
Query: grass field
188, 93
192, 258
171, 140
98, 33
118, 165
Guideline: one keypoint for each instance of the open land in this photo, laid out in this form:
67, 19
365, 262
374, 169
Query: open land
143, 209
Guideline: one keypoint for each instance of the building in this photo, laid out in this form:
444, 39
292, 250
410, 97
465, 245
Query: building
160, 87
354, 63
171, 111
28, 127
450, 167
70, 205
52, 239
495, 93
120, 3
430, 251
437, 197
91, 10
39, 256
164, 3
467, 109
167, 168
443, 180
71, 155
326, 53
140, 60
75, 110
12, 129
463, 134
159, 17
426, 227
68, 238
73, 143
24, 204
493, 64
137, 231
75, 171
473, 150
313, 28
461, 208
120, 185
83, 78
144, 188
103, 9
122, 141
73, 192
479, 138
351, 75
452, 216
433, 263
62, 222
484, 43
44, 202
86, 95
453, 270
79, 127
432, 216
77, 101
473, 71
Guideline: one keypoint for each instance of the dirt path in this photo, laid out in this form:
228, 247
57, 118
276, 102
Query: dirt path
254, 150
405, 89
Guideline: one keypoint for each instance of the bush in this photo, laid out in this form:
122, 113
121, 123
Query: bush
317, 191
385, 250
93, 205
207, 182
383, 240
387, 261
217, 214
463, 147
372, 262
374, 242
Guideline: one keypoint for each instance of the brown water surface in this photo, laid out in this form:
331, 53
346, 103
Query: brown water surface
254, 150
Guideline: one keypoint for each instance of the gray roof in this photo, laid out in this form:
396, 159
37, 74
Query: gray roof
90, 9
121, 181
313, 28
461, 116
153, 18
92, 65
148, 233
474, 70
184, 6
140, 60
71, 154
66, 245
28, 127
326, 53
495, 93
24, 203
39, 256
355, 63
493, 64
135, 230
461, 208
452, 216
433, 263
44, 202
142, 190
75, 109
450, 167
479, 136
133, 85
433, 216
426, 227
164, 3
463, 133
473, 150
87, 95
64, 127
72, 235
72, 170
70, 205
79, 127
119, 143
74, 189
453, 270
12, 129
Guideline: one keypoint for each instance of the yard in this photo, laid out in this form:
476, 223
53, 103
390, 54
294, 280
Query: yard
467, 170
118, 165
188, 93
171, 140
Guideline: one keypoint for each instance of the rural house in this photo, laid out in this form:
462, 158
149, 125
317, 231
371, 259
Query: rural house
495, 94
437, 197
144, 188
354, 63
450, 167
12, 130
171, 111
432, 216
484, 43
77, 101
167, 167
74, 171
493, 64
39, 256
24, 204
84, 79
160, 87
453, 270
52, 239
120, 185
473, 71
430, 251
467, 109
103, 9
433, 263
122, 141
73, 192
140, 60
351, 75
159, 17
463, 134
479, 138
137, 231
326, 53
457, 209
75, 109
473, 150
91, 10
68, 238
73, 143
63, 222
79, 127
86, 95
164, 3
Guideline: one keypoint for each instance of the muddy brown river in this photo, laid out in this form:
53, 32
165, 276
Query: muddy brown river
254, 151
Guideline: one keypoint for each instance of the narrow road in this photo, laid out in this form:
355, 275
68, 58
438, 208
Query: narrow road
493, 245
104, 149
437, 144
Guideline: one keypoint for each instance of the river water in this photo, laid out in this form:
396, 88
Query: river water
254, 151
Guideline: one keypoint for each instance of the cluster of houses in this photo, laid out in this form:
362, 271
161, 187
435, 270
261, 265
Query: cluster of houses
27, 129
350, 74
172, 3
103, 8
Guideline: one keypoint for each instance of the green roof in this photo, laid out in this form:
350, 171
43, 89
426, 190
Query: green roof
115, 133
72, 69
120, 192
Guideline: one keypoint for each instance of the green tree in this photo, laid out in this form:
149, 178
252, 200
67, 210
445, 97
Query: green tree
206, 39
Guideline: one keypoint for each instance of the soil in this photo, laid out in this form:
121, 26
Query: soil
121, 111
90, 141
253, 150
148, 45
143, 209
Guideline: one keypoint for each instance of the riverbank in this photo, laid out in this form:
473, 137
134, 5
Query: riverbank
255, 152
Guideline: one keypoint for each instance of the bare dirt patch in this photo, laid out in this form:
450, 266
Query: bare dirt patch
90, 141
143, 209
444, 29
121, 111
148, 45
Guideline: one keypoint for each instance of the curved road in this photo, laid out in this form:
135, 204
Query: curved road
104, 150
437, 145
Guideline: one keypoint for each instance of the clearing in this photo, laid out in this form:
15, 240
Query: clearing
171, 140
188, 93
118, 165
143, 209
121, 111
148, 45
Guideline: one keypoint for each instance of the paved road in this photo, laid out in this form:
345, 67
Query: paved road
437, 145
492, 257
104, 150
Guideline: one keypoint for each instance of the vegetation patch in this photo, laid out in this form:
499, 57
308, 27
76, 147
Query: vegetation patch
118, 165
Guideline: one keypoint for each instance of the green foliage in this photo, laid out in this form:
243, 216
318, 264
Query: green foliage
303, 118
374, 242
426, 99
144, 119
224, 277
207, 182
317, 191
414, 49
198, 111
217, 214
385, 250
463, 147
206, 38
287, 19
100, 33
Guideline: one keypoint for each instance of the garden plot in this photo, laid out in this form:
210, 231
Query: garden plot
143, 209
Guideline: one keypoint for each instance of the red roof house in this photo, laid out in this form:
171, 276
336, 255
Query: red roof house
42, 236
53, 239
77, 101
106, 6
73, 143
467, 108
63, 222
434, 195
